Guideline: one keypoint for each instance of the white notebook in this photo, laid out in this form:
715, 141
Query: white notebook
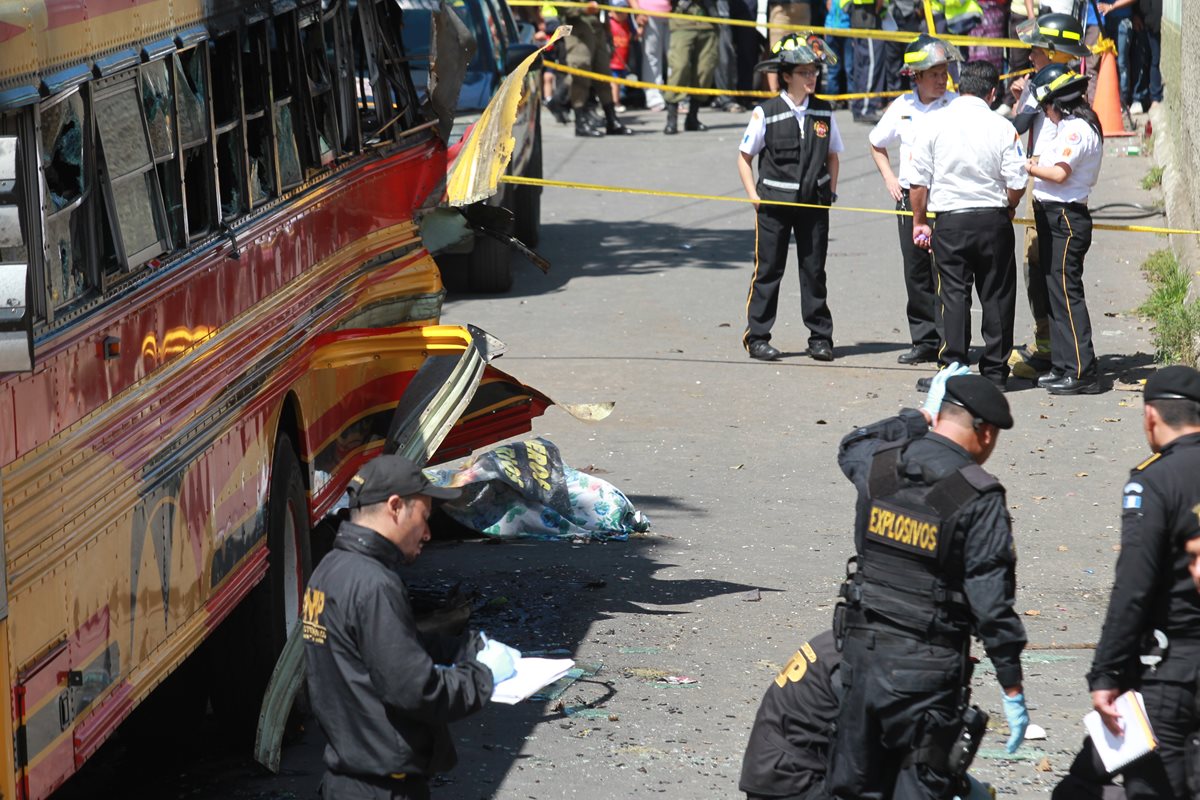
1118, 752
532, 674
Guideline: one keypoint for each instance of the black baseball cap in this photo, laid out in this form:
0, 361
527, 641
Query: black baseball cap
1174, 383
980, 396
384, 476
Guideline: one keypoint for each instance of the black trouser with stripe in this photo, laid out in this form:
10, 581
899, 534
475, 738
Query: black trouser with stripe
869, 59
919, 281
774, 226
896, 691
975, 246
1064, 236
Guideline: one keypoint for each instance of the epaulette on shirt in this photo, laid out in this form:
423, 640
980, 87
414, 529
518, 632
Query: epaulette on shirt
1147, 462
979, 478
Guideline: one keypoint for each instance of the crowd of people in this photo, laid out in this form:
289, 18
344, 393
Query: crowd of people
639, 46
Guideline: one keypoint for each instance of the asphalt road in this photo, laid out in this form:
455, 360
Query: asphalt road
734, 462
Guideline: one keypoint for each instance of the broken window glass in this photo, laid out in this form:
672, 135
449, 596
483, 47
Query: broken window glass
66, 260
197, 181
226, 99
121, 134
13, 248
258, 144
62, 151
290, 173
192, 93
159, 108
231, 174
132, 182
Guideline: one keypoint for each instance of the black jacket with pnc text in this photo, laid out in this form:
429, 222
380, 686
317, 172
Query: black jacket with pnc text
383, 693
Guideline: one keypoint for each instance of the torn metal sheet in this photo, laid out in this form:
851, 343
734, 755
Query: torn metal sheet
488, 147
451, 48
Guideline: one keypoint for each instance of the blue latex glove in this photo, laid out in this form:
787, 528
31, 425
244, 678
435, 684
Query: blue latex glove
1018, 721
937, 389
499, 658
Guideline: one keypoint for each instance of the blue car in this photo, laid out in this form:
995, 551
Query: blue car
484, 263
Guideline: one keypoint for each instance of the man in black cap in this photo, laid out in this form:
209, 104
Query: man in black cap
935, 565
382, 691
1151, 637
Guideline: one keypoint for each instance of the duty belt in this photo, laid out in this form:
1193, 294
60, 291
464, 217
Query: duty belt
874, 631
977, 210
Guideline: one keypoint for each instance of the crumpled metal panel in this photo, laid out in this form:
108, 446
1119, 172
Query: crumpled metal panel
451, 48
489, 146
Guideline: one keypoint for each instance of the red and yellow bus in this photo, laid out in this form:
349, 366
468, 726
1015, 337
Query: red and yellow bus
212, 294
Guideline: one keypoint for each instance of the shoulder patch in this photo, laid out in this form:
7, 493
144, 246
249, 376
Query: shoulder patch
980, 479
1147, 462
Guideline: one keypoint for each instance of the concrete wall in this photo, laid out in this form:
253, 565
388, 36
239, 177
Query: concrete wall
1177, 148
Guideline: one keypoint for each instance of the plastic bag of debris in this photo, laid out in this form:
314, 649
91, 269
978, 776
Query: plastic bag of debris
524, 489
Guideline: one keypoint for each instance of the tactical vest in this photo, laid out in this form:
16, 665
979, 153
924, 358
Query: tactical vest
791, 167
910, 563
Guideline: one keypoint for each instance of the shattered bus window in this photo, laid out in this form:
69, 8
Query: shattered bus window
62, 151
231, 173
159, 107
62, 126
290, 173
189, 80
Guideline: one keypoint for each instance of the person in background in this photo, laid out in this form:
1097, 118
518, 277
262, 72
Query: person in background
692, 60
993, 25
1150, 82
737, 52
839, 78
928, 60
797, 141
655, 39
1064, 174
588, 49
1120, 26
1020, 11
870, 61
621, 32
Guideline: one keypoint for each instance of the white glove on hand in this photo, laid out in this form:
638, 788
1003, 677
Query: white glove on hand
499, 658
937, 389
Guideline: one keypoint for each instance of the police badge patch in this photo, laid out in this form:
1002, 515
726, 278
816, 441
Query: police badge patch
821, 129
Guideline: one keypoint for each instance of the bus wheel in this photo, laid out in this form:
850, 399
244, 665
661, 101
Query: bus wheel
251, 639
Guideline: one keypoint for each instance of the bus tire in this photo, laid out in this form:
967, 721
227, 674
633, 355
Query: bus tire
253, 636
489, 270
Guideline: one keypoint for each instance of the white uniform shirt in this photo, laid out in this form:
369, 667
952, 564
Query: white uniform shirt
967, 155
755, 138
1074, 143
898, 124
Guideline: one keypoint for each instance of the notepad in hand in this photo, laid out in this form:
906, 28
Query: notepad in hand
1118, 752
532, 674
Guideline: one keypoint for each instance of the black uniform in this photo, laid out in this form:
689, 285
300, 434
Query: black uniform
378, 687
1153, 591
936, 563
789, 743
792, 167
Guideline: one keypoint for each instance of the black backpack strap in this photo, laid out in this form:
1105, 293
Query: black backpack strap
884, 480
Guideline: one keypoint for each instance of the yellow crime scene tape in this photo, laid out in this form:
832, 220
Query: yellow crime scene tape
666, 87
903, 37
595, 187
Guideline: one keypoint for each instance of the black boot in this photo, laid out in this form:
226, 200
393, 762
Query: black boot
561, 112
672, 119
614, 126
583, 124
693, 123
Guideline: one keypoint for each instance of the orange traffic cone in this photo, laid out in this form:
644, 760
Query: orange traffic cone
1107, 104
